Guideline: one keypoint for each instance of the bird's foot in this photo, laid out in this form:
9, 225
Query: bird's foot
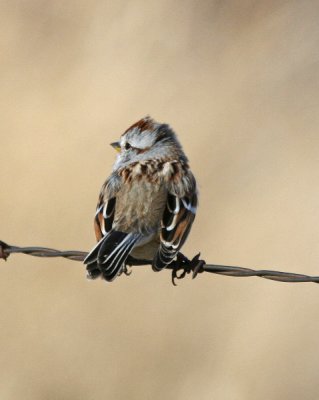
125, 270
186, 266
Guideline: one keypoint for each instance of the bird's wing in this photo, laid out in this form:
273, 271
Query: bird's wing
110, 253
103, 222
176, 223
104, 216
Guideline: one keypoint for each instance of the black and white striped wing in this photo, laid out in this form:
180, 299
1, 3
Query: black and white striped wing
177, 220
103, 222
110, 253
104, 216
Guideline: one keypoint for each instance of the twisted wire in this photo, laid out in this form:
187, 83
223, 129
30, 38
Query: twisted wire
193, 266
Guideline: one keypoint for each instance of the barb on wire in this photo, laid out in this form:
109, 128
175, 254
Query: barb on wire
180, 267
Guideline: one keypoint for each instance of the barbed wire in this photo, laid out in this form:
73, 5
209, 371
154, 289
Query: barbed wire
180, 267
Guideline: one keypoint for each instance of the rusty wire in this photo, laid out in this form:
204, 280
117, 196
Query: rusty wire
181, 267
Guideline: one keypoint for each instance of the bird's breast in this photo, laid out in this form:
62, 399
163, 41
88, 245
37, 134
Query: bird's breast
140, 205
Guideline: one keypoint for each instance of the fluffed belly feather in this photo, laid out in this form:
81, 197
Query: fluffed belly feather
139, 208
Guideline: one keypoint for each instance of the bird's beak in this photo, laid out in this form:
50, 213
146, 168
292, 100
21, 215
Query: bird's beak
116, 146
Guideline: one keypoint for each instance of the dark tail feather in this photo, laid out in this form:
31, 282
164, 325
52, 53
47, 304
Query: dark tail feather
108, 246
93, 271
91, 260
92, 256
114, 251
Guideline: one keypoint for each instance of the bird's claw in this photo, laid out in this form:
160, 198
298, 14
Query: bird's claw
125, 270
187, 266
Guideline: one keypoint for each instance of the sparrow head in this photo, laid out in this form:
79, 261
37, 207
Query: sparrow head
147, 140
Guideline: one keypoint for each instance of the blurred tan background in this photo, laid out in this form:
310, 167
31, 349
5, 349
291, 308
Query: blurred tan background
239, 82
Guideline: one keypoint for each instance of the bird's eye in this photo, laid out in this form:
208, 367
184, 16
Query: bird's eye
127, 146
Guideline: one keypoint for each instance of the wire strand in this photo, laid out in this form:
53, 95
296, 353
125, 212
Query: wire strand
182, 263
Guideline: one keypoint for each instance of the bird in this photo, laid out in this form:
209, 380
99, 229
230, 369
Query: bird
147, 205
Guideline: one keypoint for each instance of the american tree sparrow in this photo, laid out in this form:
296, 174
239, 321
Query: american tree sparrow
147, 205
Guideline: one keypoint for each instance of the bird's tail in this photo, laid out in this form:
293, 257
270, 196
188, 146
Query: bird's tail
109, 255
